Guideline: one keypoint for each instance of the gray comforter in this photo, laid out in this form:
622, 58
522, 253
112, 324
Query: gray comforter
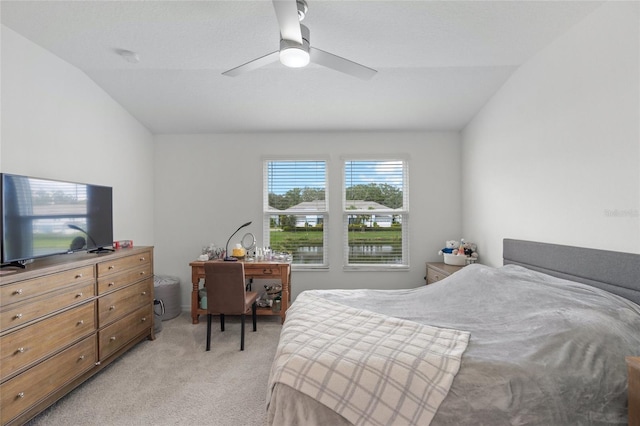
542, 351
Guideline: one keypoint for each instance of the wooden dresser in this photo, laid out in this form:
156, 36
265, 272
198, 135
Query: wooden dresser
64, 318
633, 364
439, 270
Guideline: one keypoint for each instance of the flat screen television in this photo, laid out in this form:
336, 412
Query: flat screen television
45, 217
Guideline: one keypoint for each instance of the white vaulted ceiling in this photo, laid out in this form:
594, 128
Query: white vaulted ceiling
438, 62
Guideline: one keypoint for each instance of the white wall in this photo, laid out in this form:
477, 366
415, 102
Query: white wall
555, 155
57, 123
208, 185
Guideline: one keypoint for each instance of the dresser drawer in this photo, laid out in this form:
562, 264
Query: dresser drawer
19, 393
118, 265
115, 281
117, 304
32, 343
18, 314
121, 332
18, 292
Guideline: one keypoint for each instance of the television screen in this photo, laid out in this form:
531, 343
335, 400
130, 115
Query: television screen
42, 217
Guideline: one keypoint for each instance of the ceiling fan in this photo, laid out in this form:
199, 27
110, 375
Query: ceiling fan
295, 50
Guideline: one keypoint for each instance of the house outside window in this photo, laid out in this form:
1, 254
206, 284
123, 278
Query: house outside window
295, 210
375, 213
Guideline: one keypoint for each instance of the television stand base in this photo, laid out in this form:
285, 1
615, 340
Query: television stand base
16, 264
100, 250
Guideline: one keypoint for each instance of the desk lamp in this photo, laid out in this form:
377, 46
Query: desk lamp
226, 253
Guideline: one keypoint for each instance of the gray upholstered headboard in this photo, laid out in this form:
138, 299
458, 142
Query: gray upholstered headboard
615, 272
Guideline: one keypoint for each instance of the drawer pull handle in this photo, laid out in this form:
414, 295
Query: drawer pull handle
79, 295
144, 319
79, 276
111, 267
144, 293
18, 316
142, 272
81, 358
142, 259
111, 284
20, 351
267, 271
18, 291
112, 338
112, 307
81, 322
20, 395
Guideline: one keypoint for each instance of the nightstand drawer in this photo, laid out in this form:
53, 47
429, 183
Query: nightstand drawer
434, 276
437, 271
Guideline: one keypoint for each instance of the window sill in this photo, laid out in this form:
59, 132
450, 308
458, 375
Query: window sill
309, 268
375, 268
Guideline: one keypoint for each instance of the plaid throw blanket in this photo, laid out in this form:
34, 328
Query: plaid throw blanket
370, 368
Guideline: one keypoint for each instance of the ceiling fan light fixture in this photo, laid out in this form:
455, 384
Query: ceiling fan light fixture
294, 57
293, 54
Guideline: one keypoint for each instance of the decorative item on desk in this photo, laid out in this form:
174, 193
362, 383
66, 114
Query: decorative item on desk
212, 252
238, 252
248, 244
227, 257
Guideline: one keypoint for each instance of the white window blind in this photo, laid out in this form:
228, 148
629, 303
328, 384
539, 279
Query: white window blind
376, 213
295, 209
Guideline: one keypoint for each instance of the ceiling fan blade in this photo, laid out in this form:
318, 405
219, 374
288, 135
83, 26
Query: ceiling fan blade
338, 63
252, 65
287, 14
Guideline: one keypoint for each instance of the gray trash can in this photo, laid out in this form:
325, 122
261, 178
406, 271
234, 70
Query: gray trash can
167, 290
158, 311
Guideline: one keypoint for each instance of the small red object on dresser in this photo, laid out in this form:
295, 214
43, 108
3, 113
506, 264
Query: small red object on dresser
122, 244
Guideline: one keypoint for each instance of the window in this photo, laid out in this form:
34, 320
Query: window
295, 210
376, 213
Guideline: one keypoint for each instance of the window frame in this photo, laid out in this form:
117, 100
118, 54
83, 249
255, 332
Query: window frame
403, 212
268, 212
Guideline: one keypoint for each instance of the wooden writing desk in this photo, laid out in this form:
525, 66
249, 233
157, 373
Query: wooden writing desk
256, 270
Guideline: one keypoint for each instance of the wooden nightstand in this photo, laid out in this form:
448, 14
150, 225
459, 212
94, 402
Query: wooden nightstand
633, 365
439, 270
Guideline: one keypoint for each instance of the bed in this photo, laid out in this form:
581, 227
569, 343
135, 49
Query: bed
540, 340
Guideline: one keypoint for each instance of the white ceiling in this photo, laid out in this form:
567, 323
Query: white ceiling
438, 62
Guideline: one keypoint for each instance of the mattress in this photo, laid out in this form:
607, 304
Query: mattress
542, 350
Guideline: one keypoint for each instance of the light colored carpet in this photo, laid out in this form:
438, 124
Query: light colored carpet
174, 381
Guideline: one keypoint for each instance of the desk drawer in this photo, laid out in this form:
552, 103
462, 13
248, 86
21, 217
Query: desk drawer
261, 271
18, 314
117, 304
119, 265
24, 390
122, 332
32, 343
18, 292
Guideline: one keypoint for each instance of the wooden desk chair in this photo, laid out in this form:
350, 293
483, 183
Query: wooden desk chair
227, 294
